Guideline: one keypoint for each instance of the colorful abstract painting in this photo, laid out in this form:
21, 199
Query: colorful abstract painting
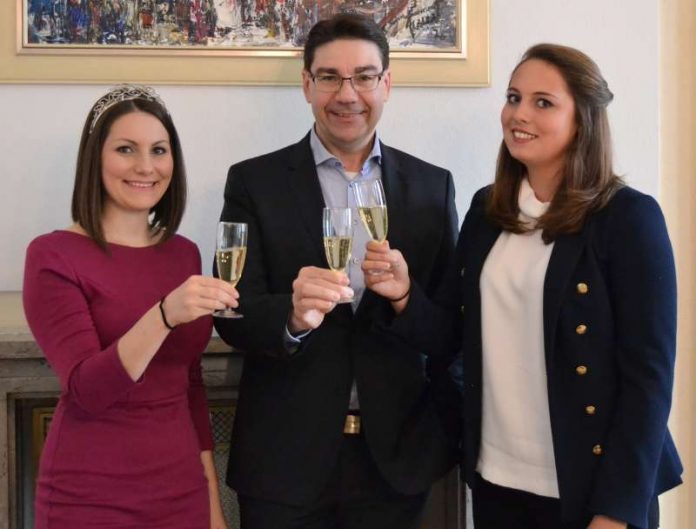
409, 24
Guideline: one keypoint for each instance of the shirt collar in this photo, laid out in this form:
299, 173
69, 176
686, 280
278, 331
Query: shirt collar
322, 154
530, 206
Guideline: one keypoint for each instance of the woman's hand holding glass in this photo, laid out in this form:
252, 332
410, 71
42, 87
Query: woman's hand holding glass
198, 296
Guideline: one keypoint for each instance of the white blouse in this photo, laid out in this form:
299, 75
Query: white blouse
516, 444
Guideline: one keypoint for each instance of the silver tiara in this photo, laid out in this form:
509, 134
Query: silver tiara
123, 92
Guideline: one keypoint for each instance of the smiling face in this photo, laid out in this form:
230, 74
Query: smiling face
538, 119
137, 163
346, 120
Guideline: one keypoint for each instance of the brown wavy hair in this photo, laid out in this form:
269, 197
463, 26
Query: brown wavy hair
89, 193
588, 181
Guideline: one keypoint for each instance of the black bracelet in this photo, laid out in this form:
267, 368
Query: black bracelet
402, 297
164, 318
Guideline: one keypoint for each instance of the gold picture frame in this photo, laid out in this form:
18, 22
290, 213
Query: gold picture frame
21, 64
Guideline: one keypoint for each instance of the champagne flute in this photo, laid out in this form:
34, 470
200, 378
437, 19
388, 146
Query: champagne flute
372, 208
230, 254
338, 239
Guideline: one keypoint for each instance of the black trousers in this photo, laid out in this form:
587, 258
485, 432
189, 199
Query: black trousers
356, 497
497, 507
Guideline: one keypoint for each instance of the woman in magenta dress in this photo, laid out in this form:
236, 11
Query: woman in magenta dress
118, 306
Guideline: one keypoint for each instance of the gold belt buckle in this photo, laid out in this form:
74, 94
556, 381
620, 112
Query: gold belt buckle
352, 425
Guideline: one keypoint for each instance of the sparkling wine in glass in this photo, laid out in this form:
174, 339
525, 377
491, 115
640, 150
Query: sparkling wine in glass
338, 239
372, 208
230, 254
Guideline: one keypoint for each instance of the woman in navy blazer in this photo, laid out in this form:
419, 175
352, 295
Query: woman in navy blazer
564, 291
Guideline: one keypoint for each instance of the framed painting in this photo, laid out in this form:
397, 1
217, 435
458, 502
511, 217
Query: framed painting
432, 42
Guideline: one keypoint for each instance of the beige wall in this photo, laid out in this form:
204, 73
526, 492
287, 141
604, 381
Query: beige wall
678, 197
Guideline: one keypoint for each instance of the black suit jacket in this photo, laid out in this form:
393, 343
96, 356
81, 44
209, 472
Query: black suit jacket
291, 408
616, 458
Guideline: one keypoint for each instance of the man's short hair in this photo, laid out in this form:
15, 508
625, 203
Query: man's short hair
345, 26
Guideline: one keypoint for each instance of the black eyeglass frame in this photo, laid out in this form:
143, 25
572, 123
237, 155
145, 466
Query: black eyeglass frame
314, 76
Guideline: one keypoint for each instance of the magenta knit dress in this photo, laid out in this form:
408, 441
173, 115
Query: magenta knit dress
119, 454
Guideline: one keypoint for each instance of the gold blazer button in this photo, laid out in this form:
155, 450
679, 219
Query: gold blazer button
582, 288
581, 329
590, 410
597, 450
581, 370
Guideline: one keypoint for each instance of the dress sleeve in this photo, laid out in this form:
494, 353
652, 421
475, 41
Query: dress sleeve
198, 404
58, 314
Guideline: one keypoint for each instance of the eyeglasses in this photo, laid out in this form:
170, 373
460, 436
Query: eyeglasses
361, 82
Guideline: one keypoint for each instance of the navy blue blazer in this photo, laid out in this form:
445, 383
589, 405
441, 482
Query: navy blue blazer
609, 336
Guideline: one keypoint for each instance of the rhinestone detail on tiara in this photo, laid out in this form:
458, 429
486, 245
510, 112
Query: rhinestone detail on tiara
123, 92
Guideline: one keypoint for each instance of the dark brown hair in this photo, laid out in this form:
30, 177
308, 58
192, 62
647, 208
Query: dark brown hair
345, 26
588, 181
89, 193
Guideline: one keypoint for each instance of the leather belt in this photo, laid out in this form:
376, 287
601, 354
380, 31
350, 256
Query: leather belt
352, 424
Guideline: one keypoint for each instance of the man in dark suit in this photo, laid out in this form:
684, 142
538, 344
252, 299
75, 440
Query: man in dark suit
338, 423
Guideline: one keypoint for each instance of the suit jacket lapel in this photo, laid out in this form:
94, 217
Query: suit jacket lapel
564, 257
304, 183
